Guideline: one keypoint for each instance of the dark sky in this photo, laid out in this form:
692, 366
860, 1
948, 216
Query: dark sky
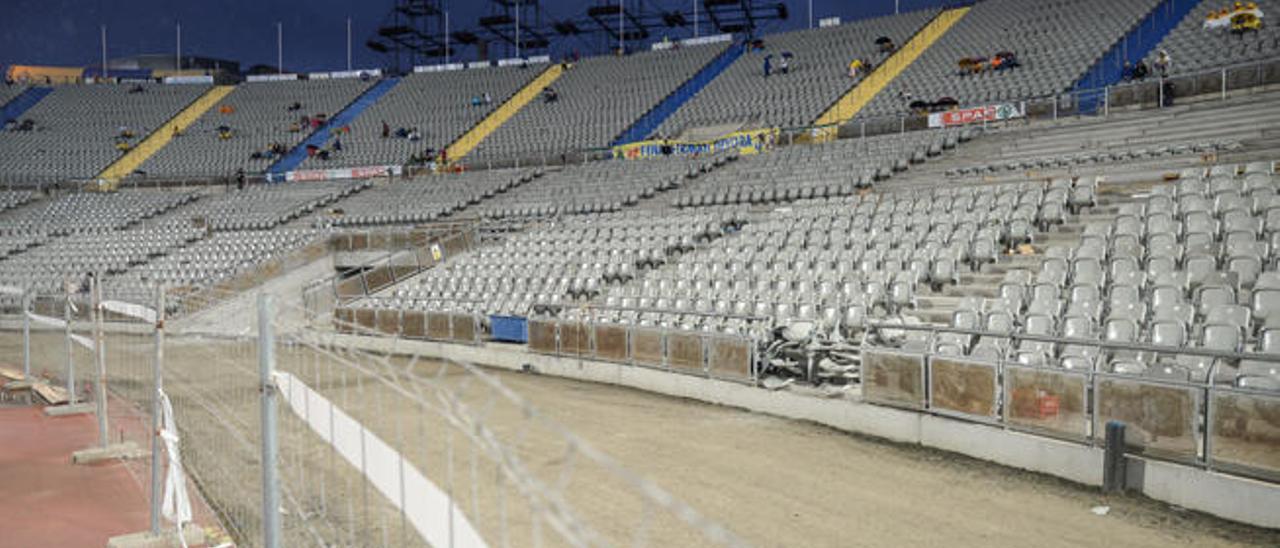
66, 32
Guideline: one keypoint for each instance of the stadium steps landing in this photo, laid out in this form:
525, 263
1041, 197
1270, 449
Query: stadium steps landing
652, 120
321, 135
857, 98
164, 133
1135, 44
472, 138
23, 102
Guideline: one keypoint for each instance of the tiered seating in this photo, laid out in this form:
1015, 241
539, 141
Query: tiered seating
598, 99
556, 265
8, 92
10, 199
839, 261
77, 126
438, 105
1190, 265
590, 188
259, 115
1056, 42
91, 212
14, 243
262, 207
427, 199
1102, 156
1195, 49
219, 256
48, 267
818, 75
840, 168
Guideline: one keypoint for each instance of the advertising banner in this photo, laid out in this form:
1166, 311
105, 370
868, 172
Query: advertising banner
745, 142
989, 113
364, 172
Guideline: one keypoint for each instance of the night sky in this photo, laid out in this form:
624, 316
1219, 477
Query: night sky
66, 32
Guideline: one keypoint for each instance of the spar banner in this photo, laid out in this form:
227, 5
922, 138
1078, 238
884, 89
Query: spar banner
745, 142
989, 113
978, 114
365, 172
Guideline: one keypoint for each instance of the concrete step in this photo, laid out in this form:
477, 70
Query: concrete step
979, 279
940, 302
962, 290
931, 315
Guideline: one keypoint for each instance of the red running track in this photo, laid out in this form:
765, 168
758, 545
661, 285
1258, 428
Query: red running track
45, 500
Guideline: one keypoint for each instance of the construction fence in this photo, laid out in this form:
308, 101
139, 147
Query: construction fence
290, 437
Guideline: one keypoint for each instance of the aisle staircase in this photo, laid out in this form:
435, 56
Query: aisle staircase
472, 138
1135, 45
19, 105
164, 133
653, 119
857, 98
320, 136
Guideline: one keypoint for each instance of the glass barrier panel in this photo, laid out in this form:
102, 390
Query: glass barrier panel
648, 347
611, 342
1244, 432
963, 386
893, 378
684, 352
542, 336
1160, 419
730, 358
1047, 401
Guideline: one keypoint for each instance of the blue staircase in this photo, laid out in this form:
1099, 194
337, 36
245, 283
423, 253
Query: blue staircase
320, 136
19, 105
1137, 44
650, 121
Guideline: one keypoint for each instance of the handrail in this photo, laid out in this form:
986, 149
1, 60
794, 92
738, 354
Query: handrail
1112, 345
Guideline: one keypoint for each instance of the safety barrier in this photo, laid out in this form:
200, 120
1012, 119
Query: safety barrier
1219, 427
720, 356
407, 255
1244, 432
452, 327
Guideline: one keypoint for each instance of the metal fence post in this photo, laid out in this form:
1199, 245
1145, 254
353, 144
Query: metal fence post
71, 366
1113, 471
1106, 101
26, 335
1224, 84
100, 359
270, 482
157, 384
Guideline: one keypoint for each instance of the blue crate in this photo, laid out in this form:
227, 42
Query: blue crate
509, 329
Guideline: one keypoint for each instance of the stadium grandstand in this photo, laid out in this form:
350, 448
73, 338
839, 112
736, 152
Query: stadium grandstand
667, 292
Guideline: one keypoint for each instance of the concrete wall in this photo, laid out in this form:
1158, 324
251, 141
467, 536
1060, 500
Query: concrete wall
1226, 496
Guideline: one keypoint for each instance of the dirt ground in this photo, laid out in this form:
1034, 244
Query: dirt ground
772, 482
778, 482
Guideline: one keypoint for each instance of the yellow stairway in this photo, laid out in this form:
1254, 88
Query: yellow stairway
163, 134
500, 115
858, 97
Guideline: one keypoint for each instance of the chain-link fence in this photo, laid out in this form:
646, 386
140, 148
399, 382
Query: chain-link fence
291, 437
